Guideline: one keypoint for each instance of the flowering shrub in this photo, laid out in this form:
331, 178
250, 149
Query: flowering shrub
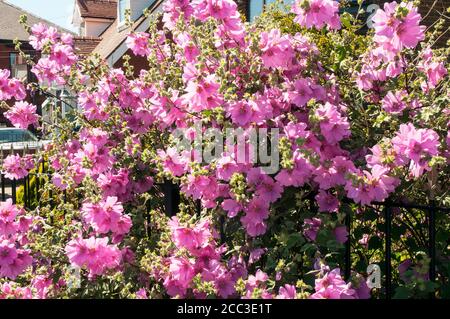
362, 118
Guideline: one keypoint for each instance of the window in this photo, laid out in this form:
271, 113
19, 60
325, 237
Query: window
11, 135
82, 31
256, 7
123, 6
19, 67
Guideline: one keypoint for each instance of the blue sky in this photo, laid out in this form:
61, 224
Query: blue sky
56, 11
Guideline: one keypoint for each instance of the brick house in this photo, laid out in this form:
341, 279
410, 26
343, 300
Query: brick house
11, 29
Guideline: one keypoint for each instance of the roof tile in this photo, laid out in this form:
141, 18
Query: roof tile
103, 9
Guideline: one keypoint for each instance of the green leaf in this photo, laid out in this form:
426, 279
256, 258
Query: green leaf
402, 293
375, 243
294, 240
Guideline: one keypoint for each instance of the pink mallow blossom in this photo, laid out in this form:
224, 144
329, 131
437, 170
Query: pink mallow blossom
416, 145
22, 115
16, 167
371, 186
10, 88
434, 70
13, 261
93, 253
333, 125
138, 43
317, 13
332, 286
394, 102
327, 202
107, 216
276, 49
397, 26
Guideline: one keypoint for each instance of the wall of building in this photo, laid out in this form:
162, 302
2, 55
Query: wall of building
93, 28
6, 47
139, 62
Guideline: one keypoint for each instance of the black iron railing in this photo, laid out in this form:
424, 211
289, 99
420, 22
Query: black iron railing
429, 210
31, 188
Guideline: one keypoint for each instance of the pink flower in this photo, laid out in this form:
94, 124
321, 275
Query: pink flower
303, 92
341, 234
256, 280
138, 43
43, 286
384, 156
394, 102
327, 202
115, 184
232, 207
38, 36
42, 35
417, 145
173, 10
181, 272
397, 26
63, 54
10, 88
317, 13
241, 112
202, 94
333, 126
434, 70
11, 291
364, 241
49, 71
255, 255
332, 286
226, 167
191, 51
371, 186
107, 216
173, 162
15, 167
224, 285
254, 225
298, 176
8, 211
22, 115
13, 261
8, 253
312, 227
141, 294
93, 106
277, 49
193, 239
93, 253
287, 292
268, 190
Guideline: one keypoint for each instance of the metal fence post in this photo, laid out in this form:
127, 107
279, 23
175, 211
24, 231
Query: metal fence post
13, 191
432, 241
198, 207
388, 238
223, 237
348, 257
25, 192
3, 188
171, 198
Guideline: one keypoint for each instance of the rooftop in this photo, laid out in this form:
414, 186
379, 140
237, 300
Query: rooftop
10, 28
100, 9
